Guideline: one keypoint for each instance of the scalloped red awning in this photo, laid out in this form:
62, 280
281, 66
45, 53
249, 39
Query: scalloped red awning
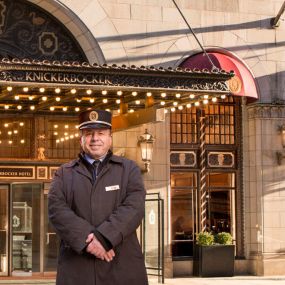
242, 84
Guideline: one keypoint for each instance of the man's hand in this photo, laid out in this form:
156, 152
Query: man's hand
95, 247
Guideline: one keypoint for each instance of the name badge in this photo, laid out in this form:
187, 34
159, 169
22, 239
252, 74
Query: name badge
112, 188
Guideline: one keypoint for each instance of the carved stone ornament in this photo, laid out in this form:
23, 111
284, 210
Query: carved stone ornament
221, 159
183, 158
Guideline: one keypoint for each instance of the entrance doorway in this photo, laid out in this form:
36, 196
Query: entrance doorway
28, 244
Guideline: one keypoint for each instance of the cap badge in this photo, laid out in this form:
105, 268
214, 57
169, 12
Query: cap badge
93, 116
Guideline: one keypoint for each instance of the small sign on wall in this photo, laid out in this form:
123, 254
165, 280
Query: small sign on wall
17, 172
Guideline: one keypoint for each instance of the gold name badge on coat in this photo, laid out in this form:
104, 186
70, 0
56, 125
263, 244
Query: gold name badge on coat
112, 188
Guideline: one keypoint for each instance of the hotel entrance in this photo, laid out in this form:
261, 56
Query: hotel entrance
28, 245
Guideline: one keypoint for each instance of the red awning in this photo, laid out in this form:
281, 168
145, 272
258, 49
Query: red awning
242, 84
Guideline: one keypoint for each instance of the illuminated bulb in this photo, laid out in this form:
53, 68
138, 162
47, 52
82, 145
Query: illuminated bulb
55, 133
0, 142
134, 93
131, 110
188, 105
9, 133
57, 99
73, 91
162, 103
6, 107
165, 111
32, 107
119, 111
66, 138
51, 108
66, 134
180, 107
118, 101
19, 107
78, 100
89, 91
66, 126
138, 102
76, 135
163, 95
205, 101
214, 99
148, 94
10, 142
192, 96
108, 110
21, 124
25, 89
175, 103
62, 139
178, 95
15, 131
91, 100
57, 141
76, 127
31, 98
206, 96
71, 137
105, 101
197, 103
172, 109
22, 141
64, 109
44, 98
42, 90
119, 93
77, 109
223, 96
9, 88
57, 90
17, 97
55, 126
104, 92
6, 125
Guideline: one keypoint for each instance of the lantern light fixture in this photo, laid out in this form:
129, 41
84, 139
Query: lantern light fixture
146, 142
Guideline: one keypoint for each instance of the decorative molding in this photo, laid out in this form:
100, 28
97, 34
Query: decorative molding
266, 111
42, 172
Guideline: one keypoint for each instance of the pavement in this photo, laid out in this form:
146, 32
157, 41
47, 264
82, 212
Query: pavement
236, 280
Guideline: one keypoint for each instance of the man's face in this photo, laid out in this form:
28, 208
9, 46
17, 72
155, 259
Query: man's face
96, 142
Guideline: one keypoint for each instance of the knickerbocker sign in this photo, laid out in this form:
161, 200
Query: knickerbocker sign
21, 172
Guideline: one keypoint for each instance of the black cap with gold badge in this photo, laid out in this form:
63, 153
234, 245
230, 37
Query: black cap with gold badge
95, 119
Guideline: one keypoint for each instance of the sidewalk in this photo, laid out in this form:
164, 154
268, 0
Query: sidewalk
237, 280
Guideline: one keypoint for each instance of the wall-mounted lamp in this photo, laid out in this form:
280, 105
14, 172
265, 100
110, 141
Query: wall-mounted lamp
281, 154
146, 142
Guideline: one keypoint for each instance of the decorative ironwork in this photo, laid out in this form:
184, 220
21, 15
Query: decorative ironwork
183, 158
28, 31
221, 159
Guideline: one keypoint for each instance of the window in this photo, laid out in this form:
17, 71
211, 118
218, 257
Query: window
63, 139
15, 138
183, 188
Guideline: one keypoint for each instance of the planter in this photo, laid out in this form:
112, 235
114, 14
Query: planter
214, 260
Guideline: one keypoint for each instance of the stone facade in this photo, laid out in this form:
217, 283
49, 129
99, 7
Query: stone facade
152, 32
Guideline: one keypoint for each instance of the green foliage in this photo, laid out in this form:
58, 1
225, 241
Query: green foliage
204, 238
223, 238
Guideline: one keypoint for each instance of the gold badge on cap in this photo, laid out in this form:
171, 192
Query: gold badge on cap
93, 116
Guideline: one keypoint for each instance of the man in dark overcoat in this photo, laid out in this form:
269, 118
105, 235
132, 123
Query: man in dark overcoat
96, 203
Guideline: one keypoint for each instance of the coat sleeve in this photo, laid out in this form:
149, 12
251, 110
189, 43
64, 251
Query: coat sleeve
72, 229
130, 212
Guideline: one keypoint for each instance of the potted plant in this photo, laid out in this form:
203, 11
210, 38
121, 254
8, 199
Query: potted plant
214, 255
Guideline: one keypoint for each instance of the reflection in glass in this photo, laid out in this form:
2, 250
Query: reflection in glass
25, 227
3, 230
182, 213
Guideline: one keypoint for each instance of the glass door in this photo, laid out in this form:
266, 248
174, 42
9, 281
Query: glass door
25, 228
4, 227
51, 246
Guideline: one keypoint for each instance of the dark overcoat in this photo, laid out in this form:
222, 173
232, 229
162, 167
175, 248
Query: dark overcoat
114, 206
